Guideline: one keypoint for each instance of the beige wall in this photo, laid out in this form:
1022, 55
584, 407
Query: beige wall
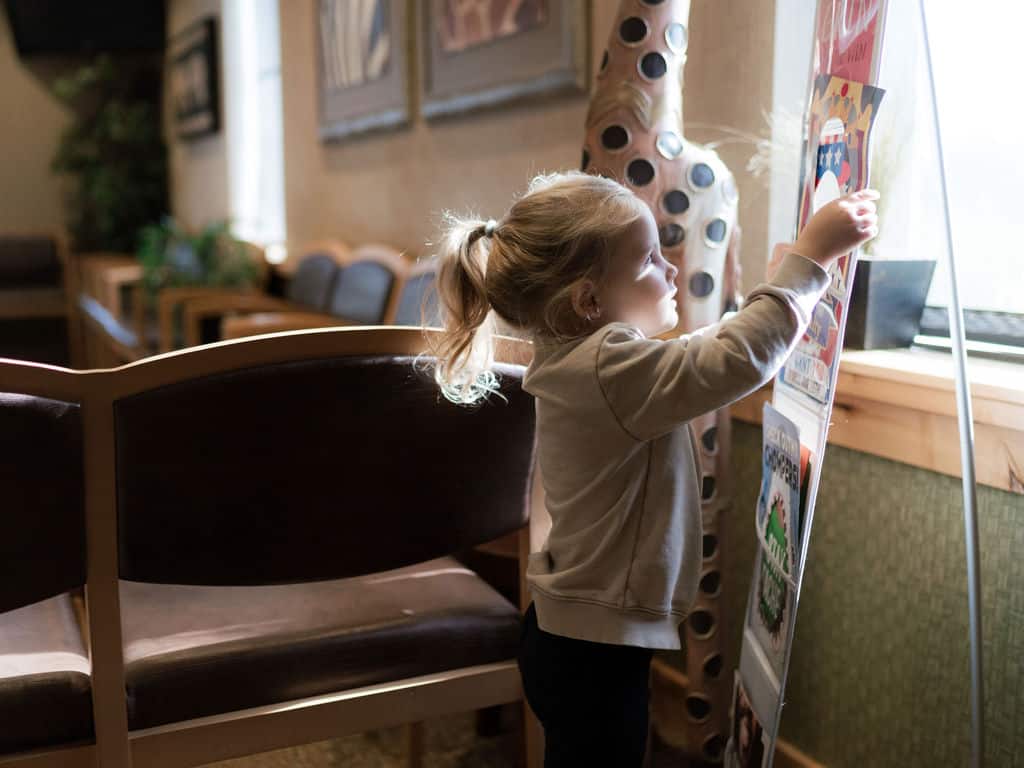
199, 191
392, 187
31, 121
729, 83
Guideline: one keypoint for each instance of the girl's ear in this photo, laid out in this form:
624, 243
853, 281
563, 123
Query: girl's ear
584, 299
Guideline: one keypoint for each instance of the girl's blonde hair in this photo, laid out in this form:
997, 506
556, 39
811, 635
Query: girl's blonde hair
524, 269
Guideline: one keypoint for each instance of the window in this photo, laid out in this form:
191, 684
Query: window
978, 114
252, 74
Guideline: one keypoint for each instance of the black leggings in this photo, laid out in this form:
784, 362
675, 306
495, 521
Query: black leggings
591, 698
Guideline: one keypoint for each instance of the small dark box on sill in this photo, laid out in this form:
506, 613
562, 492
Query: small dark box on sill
887, 302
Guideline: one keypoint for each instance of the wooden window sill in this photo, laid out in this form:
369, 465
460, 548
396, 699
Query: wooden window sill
901, 405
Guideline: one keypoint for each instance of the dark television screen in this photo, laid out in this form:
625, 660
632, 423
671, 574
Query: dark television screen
80, 27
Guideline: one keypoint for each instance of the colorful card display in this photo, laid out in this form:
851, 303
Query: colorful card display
841, 112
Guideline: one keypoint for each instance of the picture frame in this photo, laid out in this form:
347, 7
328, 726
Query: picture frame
362, 66
194, 85
499, 58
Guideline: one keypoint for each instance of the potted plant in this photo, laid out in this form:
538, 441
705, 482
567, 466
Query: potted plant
171, 257
114, 151
212, 258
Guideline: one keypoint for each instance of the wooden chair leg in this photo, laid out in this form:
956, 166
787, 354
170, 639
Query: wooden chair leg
414, 741
533, 739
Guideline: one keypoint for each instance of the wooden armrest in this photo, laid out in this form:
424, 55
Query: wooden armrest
102, 276
504, 546
169, 299
239, 326
195, 310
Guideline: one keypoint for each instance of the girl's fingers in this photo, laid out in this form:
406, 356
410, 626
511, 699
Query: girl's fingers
866, 194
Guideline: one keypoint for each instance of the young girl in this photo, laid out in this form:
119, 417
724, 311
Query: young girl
577, 265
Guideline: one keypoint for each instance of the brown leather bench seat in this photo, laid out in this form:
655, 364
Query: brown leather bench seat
196, 651
45, 699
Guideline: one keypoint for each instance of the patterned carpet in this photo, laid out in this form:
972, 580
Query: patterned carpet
451, 742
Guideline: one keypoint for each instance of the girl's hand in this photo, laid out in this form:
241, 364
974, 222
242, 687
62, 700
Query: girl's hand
839, 227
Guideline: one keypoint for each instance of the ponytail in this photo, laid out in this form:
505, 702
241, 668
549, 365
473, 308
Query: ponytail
465, 349
523, 271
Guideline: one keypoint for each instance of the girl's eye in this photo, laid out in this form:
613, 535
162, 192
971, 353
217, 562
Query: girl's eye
650, 258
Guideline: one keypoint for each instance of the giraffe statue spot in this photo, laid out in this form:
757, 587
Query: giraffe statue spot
614, 137
640, 173
701, 176
713, 666
653, 66
702, 623
707, 488
676, 37
676, 201
698, 707
710, 439
633, 30
710, 583
669, 144
701, 286
713, 748
710, 545
671, 235
715, 230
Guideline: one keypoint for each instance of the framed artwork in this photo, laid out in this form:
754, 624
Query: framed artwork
479, 53
362, 66
195, 94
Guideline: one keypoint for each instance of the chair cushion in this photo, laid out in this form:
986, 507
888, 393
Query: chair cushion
44, 678
313, 282
361, 293
418, 303
196, 651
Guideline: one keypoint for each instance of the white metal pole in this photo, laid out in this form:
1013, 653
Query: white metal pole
966, 421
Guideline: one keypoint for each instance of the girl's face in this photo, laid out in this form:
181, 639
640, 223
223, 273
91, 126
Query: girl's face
639, 285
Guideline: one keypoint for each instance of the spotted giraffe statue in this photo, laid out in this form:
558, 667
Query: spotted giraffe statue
634, 133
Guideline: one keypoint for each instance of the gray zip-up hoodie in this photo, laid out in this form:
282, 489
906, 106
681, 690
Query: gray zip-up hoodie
620, 463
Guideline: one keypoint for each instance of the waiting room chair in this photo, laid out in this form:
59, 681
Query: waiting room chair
45, 692
312, 278
36, 280
263, 572
364, 292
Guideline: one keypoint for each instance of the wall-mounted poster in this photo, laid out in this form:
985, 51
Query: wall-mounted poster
479, 53
195, 95
362, 62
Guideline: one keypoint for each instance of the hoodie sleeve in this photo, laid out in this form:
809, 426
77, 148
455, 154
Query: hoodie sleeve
652, 385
